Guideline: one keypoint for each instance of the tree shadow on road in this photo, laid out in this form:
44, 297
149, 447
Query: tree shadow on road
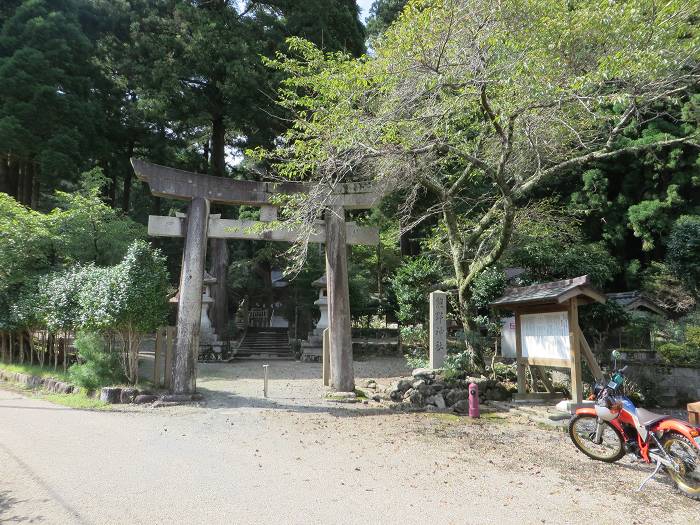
376, 368
217, 399
7, 502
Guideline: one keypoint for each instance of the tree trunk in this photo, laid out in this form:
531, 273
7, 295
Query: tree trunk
132, 342
218, 147
157, 205
264, 271
65, 351
13, 176
36, 191
41, 356
475, 351
112, 191
19, 185
28, 184
476, 354
4, 174
128, 176
205, 157
218, 247
219, 270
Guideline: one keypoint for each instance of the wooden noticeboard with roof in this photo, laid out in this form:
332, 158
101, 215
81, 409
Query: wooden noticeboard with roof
547, 332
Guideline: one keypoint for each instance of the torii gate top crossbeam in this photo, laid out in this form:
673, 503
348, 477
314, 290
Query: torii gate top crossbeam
185, 185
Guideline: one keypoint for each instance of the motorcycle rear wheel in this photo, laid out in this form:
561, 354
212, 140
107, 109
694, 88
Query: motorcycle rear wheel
686, 456
582, 429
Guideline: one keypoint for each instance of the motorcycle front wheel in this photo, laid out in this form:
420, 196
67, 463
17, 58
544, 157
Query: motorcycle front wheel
685, 472
582, 430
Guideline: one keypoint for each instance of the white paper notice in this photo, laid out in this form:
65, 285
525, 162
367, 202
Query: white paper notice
546, 336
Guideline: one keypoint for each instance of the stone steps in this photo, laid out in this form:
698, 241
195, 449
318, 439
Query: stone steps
265, 343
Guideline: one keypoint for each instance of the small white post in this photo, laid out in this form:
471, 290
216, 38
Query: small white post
265, 367
438, 329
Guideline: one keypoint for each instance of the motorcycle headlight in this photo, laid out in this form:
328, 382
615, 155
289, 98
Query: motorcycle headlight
604, 413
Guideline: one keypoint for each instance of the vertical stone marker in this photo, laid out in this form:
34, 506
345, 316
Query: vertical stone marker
438, 329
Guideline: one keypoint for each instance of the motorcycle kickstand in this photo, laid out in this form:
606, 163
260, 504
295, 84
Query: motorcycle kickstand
656, 470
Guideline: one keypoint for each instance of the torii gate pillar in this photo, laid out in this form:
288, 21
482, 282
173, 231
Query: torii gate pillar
189, 309
342, 373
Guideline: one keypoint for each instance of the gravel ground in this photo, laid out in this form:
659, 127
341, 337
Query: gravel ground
295, 458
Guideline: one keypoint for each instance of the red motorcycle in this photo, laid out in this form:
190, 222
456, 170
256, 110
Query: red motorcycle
613, 427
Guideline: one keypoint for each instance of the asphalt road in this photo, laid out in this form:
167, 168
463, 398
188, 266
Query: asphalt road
244, 460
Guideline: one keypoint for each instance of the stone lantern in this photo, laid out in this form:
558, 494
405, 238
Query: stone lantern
312, 348
322, 303
207, 335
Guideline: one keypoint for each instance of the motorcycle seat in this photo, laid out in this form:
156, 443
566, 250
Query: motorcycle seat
647, 417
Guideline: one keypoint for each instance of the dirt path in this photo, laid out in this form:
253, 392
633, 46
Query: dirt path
295, 458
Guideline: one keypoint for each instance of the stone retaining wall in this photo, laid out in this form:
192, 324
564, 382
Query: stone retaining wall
428, 389
675, 385
47, 383
109, 394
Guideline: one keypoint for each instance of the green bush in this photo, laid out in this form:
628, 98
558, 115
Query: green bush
487, 286
692, 336
504, 372
414, 336
417, 357
642, 392
685, 353
457, 365
683, 251
680, 354
98, 366
413, 282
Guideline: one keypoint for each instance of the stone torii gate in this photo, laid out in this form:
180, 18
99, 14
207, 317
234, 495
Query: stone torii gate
198, 225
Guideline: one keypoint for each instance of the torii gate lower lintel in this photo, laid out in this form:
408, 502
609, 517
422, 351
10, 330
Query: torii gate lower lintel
201, 190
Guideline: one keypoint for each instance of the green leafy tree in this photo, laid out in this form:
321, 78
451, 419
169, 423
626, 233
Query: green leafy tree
24, 243
47, 116
551, 260
97, 366
24, 250
600, 320
660, 284
631, 203
333, 25
61, 299
683, 251
86, 229
141, 287
383, 13
413, 281
476, 109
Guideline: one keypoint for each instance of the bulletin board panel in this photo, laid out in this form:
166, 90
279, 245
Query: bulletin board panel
545, 339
